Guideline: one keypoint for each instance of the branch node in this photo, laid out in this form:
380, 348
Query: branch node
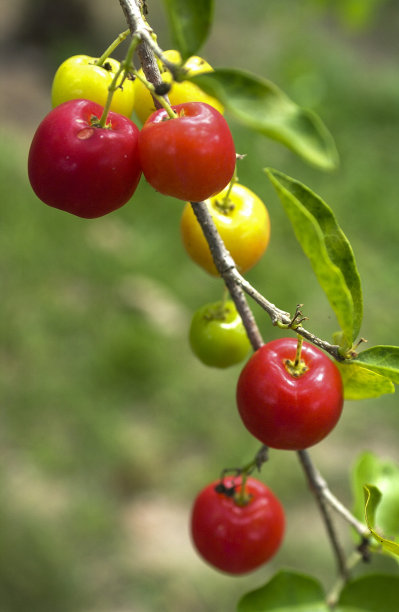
364, 549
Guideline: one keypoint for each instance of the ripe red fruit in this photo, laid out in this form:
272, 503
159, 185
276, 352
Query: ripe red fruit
284, 411
83, 169
237, 538
191, 157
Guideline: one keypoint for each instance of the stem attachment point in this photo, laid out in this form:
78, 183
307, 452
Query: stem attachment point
297, 367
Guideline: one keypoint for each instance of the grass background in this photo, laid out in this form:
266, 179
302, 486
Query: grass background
108, 424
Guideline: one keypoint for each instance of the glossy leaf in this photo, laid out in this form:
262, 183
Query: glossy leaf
190, 22
373, 497
360, 383
370, 593
263, 107
381, 359
287, 591
370, 470
327, 248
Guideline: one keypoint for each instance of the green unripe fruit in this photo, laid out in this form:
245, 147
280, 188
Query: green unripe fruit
217, 335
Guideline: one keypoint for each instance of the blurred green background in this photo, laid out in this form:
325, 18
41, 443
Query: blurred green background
108, 424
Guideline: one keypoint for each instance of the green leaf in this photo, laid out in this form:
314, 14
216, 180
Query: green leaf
327, 248
381, 359
383, 474
287, 591
190, 23
370, 593
263, 107
360, 383
372, 498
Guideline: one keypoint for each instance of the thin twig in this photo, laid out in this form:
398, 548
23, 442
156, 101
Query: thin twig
231, 276
319, 484
226, 262
312, 477
139, 26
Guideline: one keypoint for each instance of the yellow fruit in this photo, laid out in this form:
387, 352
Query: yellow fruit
80, 77
243, 223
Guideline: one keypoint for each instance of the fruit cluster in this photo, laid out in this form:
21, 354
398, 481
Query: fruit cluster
86, 158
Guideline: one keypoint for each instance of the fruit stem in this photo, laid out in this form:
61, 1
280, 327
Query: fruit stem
100, 61
111, 90
163, 103
298, 351
225, 297
297, 367
216, 312
243, 497
224, 205
226, 197
125, 67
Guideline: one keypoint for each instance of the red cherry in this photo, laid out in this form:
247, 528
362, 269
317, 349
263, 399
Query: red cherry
83, 169
237, 538
191, 157
284, 411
